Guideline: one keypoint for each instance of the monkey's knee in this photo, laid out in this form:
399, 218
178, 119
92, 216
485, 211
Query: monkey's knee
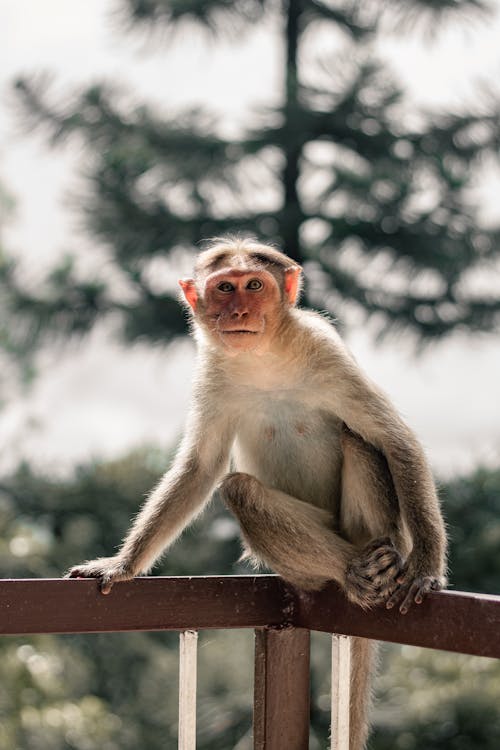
240, 491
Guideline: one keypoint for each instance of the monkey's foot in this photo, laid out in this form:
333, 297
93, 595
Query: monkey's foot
108, 570
372, 575
413, 589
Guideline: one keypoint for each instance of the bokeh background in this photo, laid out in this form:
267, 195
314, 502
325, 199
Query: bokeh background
361, 137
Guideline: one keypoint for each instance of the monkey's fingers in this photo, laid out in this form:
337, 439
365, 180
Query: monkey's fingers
403, 576
415, 594
107, 571
398, 593
105, 584
413, 591
79, 572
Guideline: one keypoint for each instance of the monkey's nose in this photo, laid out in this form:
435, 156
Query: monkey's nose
237, 314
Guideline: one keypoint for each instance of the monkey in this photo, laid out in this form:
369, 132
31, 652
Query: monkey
325, 478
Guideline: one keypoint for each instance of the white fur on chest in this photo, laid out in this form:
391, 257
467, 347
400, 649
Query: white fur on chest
289, 446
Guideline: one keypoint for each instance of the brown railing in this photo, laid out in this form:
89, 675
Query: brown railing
282, 617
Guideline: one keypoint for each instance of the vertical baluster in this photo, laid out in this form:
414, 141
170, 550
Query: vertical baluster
188, 642
281, 692
341, 689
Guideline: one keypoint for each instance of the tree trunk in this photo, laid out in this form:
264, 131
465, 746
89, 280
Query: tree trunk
291, 214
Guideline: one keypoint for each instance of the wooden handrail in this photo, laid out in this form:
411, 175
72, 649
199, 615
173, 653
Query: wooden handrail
452, 621
149, 603
449, 620
282, 617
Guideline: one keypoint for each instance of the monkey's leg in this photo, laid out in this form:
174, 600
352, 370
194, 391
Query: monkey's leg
369, 504
296, 540
292, 537
370, 516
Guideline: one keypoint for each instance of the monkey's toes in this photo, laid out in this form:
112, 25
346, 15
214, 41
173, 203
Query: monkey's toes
371, 577
364, 593
376, 544
379, 562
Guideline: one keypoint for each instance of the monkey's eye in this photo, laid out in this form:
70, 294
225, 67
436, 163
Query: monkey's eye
225, 286
254, 285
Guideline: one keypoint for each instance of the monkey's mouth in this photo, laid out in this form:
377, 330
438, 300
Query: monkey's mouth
238, 331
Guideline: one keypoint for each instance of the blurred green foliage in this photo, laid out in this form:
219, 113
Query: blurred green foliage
437, 701
119, 691
472, 508
111, 691
46, 524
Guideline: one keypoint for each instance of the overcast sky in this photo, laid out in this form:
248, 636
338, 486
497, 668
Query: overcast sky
100, 400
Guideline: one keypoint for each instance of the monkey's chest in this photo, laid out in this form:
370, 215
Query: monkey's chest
291, 448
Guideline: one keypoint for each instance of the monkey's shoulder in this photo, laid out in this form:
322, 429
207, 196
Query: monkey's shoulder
314, 322
315, 330
322, 349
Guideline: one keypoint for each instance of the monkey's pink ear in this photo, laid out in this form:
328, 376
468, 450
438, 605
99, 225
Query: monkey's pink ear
292, 283
190, 293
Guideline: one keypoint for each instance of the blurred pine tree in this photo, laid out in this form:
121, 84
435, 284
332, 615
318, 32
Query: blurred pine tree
376, 207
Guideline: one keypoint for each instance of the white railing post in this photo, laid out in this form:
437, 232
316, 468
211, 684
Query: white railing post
341, 690
188, 642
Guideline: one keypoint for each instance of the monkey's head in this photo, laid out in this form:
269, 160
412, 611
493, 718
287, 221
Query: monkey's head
241, 292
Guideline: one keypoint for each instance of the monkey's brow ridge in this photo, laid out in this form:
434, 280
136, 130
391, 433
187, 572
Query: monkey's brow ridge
263, 258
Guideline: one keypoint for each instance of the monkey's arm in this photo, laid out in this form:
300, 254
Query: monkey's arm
368, 412
202, 459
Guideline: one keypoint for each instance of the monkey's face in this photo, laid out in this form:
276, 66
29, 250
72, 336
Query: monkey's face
242, 308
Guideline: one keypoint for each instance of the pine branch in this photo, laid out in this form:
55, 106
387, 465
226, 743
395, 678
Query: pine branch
430, 16
216, 16
158, 185
349, 18
430, 316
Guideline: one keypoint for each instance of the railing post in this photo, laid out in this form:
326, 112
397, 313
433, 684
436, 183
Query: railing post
281, 689
341, 691
188, 642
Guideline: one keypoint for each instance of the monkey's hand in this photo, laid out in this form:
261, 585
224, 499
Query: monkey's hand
371, 576
412, 586
108, 570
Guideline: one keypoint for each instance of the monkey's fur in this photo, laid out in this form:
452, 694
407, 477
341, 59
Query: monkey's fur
329, 482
